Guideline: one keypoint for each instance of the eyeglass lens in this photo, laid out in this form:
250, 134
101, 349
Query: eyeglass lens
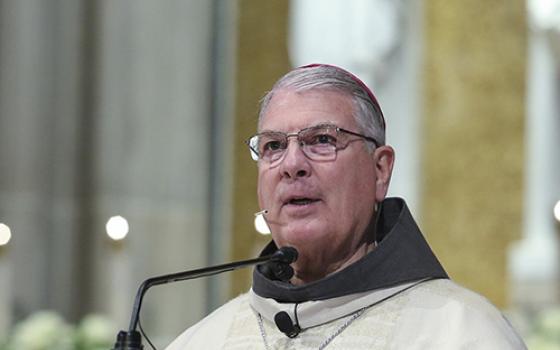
318, 143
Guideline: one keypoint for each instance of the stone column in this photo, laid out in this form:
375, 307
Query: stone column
40, 104
535, 260
152, 139
107, 108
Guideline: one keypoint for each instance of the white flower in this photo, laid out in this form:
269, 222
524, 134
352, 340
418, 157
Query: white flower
549, 323
96, 332
44, 330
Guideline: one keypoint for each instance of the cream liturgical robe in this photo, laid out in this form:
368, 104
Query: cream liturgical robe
396, 297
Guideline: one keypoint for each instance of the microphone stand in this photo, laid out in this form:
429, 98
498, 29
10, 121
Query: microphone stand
132, 340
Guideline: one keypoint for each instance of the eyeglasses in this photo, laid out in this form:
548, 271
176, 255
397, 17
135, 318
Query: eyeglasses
320, 142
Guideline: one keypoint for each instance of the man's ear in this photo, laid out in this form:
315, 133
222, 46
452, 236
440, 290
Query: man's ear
384, 157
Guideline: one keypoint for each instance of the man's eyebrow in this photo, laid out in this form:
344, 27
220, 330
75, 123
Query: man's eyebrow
268, 131
320, 124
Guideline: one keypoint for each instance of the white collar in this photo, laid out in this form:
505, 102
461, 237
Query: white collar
314, 313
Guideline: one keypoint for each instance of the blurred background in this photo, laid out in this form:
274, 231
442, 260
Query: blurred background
121, 148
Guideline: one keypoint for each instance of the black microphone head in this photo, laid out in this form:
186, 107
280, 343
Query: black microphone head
282, 271
285, 325
286, 255
277, 271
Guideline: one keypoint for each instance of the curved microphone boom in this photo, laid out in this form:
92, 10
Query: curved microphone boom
132, 340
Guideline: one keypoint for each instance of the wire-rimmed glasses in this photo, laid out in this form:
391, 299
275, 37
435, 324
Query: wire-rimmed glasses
319, 142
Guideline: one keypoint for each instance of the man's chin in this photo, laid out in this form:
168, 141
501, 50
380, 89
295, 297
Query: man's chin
298, 235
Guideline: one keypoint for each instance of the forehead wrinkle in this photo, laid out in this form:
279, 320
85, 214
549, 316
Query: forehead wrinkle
322, 123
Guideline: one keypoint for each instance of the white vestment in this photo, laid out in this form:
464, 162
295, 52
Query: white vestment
436, 314
396, 297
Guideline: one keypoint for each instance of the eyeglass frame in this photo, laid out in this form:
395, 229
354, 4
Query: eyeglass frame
256, 156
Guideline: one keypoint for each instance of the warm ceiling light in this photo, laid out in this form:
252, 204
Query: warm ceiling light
557, 211
117, 228
5, 234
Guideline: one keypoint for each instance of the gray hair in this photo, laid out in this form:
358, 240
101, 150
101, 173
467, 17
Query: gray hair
367, 113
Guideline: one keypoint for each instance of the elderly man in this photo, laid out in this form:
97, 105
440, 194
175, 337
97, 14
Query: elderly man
365, 277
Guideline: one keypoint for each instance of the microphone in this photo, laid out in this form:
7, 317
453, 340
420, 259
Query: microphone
285, 324
279, 269
132, 339
276, 271
285, 255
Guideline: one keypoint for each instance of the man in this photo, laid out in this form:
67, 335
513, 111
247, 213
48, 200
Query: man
365, 277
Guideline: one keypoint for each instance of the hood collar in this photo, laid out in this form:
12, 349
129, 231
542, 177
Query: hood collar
401, 256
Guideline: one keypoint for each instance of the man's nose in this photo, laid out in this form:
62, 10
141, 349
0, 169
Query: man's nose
294, 163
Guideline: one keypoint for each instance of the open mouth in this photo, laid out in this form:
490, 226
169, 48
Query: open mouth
301, 201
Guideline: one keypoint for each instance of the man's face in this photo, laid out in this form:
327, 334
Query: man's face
321, 208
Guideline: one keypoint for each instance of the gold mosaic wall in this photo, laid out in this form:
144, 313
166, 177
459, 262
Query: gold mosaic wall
261, 59
474, 82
